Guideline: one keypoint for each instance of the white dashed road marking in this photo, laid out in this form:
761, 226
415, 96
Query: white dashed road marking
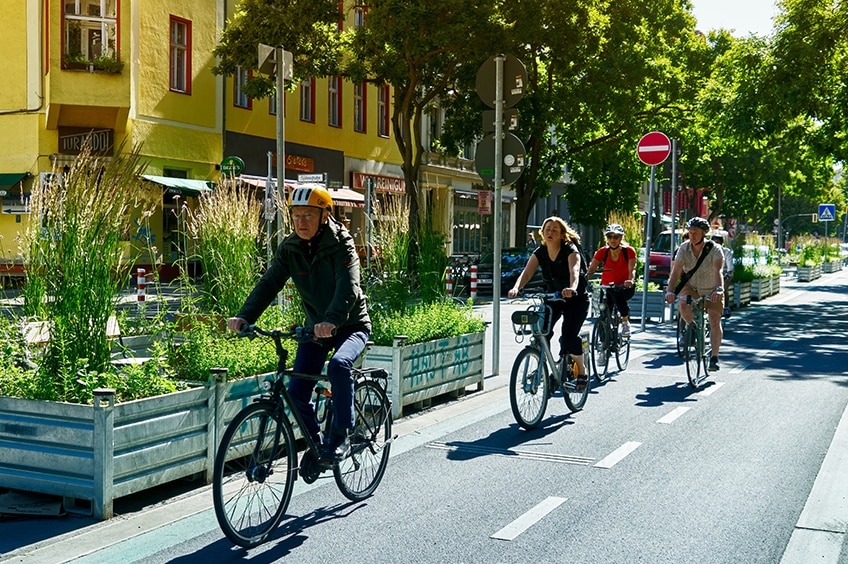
533, 516
677, 412
617, 455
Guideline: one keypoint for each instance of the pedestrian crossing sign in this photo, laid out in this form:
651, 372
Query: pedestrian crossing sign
827, 212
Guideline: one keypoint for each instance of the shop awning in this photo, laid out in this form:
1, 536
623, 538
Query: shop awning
344, 197
8, 179
185, 186
347, 197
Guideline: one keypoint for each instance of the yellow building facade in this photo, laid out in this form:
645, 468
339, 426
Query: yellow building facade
138, 73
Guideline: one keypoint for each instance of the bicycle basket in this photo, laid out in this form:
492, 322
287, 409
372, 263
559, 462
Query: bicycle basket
530, 321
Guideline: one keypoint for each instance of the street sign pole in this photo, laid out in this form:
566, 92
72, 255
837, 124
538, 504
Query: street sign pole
652, 149
648, 245
498, 211
673, 206
281, 146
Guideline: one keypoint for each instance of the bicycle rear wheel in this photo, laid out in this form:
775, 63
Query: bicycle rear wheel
600, 348
358, 475
254, 474
528, 388
622, 350
574, 392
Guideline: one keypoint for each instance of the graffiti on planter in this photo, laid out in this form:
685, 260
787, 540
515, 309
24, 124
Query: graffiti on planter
437, 361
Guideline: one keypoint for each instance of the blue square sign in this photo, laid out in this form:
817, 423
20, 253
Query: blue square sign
827, 212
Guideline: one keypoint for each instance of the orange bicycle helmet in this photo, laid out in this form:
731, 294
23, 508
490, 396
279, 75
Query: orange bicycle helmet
314, 196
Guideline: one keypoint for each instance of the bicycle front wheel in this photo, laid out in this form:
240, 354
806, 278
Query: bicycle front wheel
622, 351
358, 475
528, 388
600, 348
693, 355
254, 474
680, 336
574, 391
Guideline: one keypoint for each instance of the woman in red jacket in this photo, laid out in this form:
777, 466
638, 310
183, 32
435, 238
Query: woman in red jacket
619, 268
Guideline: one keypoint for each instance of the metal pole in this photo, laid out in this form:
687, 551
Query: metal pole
498, 219
369, 183
281, 148
673, 205
648, 243
269, 208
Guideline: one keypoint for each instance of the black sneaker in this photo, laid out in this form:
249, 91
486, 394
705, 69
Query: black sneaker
336, 449
714, 363
726, 313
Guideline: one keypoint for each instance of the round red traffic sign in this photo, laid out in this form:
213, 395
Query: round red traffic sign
653, 148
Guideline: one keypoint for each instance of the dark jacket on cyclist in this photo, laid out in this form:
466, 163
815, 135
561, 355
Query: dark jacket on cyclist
325, 270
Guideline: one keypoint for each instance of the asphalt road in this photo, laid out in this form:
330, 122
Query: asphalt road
650, 471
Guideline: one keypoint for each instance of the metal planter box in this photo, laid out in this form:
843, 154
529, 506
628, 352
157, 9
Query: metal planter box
422, 371
656, 306
809, 273
760, 288
92, 454
742, 293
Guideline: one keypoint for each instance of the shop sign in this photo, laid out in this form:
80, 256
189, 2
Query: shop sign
381, 183
484, 202
295, 162
72, 139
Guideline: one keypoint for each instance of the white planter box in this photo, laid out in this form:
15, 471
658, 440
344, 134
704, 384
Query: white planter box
422, 371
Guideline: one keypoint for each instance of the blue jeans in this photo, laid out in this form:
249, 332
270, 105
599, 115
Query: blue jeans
309, 359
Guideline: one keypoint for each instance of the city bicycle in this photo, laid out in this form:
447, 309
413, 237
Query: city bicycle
607, 339
535, 374
256, 464
696, 343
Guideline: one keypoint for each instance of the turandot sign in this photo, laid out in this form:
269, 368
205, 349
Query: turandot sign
653, 148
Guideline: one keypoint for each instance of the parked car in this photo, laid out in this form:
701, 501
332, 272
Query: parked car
513, 260
659, 266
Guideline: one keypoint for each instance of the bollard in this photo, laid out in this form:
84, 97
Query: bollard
141, 283
449, 281
473, 282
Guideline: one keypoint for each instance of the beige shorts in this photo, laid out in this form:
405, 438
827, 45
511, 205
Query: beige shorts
717, 305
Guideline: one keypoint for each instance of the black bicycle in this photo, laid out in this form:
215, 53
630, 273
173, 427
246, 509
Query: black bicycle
607, 339
535, 374
256, 464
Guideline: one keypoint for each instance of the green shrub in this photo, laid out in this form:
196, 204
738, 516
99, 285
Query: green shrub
425, 322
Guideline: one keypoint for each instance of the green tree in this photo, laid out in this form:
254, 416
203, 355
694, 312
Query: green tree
600, 74
421, 49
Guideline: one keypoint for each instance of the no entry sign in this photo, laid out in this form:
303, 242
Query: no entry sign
653, 148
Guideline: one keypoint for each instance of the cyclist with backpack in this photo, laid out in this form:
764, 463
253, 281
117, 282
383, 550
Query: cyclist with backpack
619, 269
320, 258
564, 272
697, 271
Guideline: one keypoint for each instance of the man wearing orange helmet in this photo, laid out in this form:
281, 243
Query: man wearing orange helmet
320, 257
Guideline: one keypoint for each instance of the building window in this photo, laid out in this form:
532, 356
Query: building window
383, 110
90, 30
359, 105
240, 99
307, 100
359, 14
334, 98
180, 49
